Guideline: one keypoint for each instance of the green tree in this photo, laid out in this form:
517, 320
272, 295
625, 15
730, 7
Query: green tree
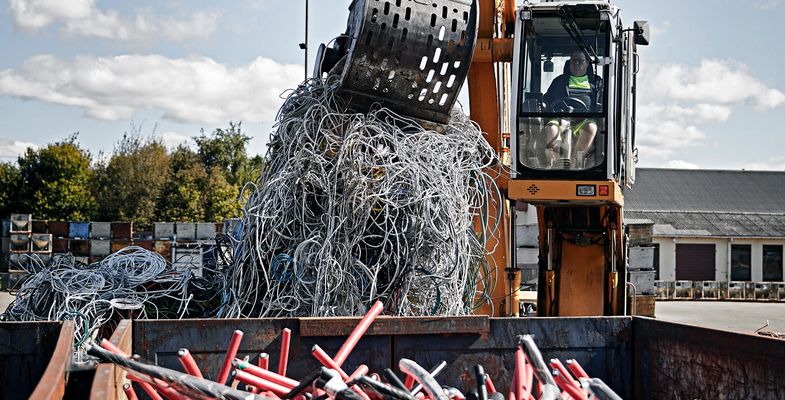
10, 184
129, 184
181, 198
220, 197
224, 149
55, 181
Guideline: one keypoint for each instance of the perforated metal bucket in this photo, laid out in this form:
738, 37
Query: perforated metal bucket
411, 56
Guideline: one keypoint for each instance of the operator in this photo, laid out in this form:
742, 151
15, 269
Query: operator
577, 82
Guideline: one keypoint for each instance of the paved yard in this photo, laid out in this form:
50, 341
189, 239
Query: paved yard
726, 315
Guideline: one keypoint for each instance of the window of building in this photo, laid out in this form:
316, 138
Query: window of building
772, 262
656, 261
741, 262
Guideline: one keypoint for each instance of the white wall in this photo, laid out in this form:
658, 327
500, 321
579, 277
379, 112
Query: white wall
722, 252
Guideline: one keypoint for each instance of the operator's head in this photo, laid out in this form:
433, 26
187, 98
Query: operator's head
578, 63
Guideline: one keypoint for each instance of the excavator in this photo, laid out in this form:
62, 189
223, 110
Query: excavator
552, 84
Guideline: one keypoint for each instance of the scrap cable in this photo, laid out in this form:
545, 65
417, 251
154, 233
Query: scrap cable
357, 207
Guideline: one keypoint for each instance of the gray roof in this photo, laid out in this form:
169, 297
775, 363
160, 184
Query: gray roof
702, 224
706, 190
709, 202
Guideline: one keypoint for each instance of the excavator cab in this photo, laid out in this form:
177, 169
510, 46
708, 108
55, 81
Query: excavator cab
572, 148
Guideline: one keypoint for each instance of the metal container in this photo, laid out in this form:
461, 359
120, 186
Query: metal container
100, 230
79, 247
736, 290
100, 247
643, 280
20, 243
711, 290
641, 258
6, 227
163, 231
629, 354
527, 236
683, 290
145, 244
122, 230
205, 230
59, 245
41, 242
781, 291
664, 290
21, 223
5, 245
78, 230
187, 257
58, 229
117, 245
35, 358
762, 291
40, 226
164, 248
749, 290
185, 230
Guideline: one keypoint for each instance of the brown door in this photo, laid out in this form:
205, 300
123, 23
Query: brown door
695, 262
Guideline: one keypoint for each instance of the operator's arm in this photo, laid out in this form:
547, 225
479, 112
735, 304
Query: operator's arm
557, 90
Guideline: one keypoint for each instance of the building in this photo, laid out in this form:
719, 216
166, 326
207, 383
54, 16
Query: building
712, 225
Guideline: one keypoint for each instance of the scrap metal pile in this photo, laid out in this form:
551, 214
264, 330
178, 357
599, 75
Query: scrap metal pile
357, 207
532, 378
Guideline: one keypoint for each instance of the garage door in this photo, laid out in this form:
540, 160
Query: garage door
695, 262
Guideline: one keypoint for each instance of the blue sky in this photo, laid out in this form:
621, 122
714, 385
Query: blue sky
712, 90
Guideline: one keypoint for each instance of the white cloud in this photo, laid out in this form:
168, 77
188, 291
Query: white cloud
772, 164
190, 90
679, 164
36, 14
766, 4
657, 29
713, 81
83, 18
685, 102
174, 139
10, 149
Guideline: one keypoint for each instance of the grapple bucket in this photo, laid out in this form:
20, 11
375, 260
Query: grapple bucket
411, 56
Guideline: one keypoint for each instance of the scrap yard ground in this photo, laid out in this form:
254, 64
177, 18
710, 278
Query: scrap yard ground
732, 316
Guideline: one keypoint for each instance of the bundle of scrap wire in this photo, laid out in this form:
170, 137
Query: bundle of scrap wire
131, 283
357, 207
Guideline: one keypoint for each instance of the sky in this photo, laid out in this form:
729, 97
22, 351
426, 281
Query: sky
711, 88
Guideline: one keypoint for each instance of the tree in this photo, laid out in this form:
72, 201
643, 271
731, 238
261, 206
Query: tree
220, 197
133, 179
55, 181
224, 149
181, 198
10, 183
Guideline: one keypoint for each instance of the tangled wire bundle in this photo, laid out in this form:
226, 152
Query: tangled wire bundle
132, 283
358, 207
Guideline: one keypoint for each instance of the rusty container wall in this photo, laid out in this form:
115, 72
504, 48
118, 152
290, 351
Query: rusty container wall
602, 345
34, 360
108, 380
685, 362
207, 340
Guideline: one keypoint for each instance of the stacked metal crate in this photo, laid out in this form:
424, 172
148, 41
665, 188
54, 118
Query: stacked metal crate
100, 240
